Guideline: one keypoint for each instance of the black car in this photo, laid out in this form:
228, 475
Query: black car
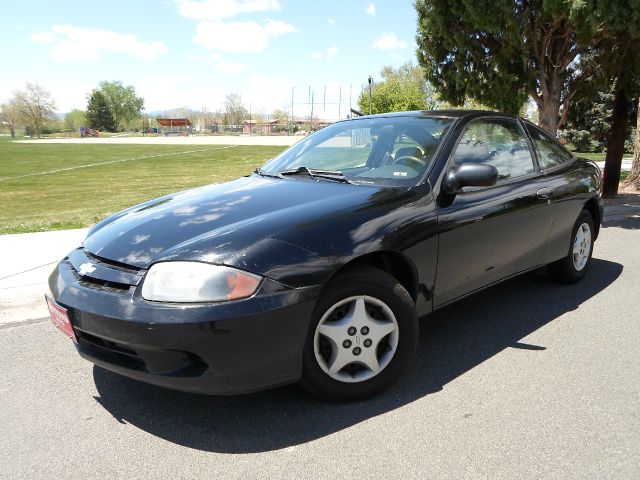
317, 267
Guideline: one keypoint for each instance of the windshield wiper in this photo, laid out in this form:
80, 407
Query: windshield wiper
262, 173
334, 175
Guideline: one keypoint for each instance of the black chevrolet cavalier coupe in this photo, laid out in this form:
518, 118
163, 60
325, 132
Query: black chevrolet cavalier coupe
316, 267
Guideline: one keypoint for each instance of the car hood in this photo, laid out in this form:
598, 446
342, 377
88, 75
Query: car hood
215, 222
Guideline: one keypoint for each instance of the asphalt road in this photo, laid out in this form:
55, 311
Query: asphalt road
528, 380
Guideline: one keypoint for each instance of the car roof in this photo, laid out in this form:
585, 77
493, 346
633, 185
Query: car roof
438, 113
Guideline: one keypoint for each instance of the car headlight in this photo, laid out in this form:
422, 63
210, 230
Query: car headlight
197, 282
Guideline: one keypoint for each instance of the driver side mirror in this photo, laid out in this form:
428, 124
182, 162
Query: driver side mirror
469, 175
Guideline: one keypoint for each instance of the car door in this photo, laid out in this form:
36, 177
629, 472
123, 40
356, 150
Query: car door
566, 187
489, 233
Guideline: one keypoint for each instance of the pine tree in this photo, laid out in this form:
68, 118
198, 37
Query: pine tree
99, 115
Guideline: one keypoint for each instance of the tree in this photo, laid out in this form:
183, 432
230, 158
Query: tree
10, 116
633, 180
75, 119
234, 109
280, 115
36, 106
123, 102
401, 89
619, 64
99, 114
501, 52
589, 120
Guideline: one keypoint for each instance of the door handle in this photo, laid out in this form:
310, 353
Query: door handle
543, 194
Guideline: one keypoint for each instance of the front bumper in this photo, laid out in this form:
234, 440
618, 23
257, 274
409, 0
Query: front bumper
225, 348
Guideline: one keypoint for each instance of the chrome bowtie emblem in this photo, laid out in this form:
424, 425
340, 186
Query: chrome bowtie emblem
86, 268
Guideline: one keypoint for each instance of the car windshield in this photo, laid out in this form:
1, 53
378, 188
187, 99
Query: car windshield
390, 151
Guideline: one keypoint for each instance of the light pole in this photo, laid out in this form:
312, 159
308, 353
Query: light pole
370, 82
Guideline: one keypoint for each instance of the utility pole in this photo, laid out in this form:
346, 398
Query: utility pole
292, 105
311, 116
370, 82
339, 101
324, 103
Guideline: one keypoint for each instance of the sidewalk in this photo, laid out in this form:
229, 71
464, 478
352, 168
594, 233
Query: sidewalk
625, 166
27, 259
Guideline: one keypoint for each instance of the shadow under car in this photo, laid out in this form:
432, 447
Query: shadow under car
452, 341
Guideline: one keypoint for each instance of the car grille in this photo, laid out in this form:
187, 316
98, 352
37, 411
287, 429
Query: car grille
103, 274
105, 286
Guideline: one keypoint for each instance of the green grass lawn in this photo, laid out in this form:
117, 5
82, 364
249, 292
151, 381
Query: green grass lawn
596, 157
599, 157
59, 186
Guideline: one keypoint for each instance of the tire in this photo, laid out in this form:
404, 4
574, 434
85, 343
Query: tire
574, 266
362, 337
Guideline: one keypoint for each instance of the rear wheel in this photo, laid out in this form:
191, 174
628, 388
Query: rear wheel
363, 335
574, 266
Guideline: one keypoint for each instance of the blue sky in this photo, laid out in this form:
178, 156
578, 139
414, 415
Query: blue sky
190, 53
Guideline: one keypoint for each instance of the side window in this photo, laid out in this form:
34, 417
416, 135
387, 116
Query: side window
500, 143
550, 154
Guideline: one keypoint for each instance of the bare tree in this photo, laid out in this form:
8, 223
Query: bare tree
234, 109
36, 105
633, 180
10, 116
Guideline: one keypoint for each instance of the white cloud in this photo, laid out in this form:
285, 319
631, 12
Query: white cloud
219, 9
371, 9
78, 43
239, 36
331, 21
278, 27
328, 54
389, 41
230, 67
331, 52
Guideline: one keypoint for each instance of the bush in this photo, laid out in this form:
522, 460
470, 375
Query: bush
629, 142
582, 140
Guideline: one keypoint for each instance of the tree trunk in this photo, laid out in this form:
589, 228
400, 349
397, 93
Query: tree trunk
615, 144
548, 113
633, 180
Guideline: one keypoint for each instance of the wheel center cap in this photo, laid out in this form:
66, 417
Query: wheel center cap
357, 340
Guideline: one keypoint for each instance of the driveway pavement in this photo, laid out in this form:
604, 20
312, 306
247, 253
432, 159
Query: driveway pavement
528, 380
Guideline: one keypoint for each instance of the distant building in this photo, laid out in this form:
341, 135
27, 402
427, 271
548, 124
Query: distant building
174, 126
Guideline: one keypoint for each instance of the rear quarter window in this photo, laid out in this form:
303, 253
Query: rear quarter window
550, 153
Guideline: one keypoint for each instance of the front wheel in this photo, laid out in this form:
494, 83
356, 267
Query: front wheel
574, 266
363, 334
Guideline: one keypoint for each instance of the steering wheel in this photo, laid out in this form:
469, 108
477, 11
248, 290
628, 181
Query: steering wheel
410, 161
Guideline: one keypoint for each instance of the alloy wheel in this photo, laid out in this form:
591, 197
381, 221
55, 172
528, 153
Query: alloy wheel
582, 246
356, 339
